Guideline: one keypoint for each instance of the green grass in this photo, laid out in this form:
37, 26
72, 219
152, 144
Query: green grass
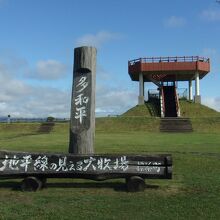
151, 124
195, 110
187, 109
149, 109
124, 124
138, 110
193, 193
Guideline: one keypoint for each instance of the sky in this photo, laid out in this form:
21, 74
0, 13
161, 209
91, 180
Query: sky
38, 37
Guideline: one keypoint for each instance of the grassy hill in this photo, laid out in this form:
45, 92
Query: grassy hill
195, 110
125, 124
148, 110
146, 117
138, 110
187, 109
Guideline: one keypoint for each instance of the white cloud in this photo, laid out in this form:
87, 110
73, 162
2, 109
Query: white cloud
98, 39
43, 69
212, 102
211, 15
20, 99
10, 86
112, 97
40, 102
114, 101
175, 22
47, 101
48, 70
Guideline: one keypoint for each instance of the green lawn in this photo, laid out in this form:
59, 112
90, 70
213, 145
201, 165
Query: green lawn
193, 193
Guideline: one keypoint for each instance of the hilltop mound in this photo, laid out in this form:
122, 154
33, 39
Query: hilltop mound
187, 109
150, 109
194, 110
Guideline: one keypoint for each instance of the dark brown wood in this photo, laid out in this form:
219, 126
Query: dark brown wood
43, 181
135, 184
82, 122
96, 167
31, 184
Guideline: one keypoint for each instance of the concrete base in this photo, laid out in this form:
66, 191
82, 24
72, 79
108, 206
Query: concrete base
140, 100
197, 99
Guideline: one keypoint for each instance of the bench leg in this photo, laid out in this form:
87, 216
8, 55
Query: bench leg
44, 181
135, 184
31, 184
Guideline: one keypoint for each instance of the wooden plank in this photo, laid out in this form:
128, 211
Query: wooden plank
98, 167
82, 122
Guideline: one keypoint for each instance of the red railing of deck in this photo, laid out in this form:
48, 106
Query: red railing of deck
169, 59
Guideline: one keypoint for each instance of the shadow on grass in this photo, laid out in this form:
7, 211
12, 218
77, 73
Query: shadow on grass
11, 185
18, 136
117, 186
46, 127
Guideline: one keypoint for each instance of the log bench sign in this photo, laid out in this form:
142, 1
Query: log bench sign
95, 167
52, 165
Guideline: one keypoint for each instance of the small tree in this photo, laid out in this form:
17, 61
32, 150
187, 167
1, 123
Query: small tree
50, 119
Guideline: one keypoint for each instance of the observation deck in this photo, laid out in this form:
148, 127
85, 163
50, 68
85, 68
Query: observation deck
165, 69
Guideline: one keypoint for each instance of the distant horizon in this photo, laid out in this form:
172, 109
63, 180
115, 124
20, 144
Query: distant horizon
97, 115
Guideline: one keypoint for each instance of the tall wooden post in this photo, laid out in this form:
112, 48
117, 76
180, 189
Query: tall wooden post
82, 122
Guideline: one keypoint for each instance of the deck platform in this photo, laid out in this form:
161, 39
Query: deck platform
168, 68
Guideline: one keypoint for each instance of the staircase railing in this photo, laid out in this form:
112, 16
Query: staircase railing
153, 94
182, 93
162, 103
177, 103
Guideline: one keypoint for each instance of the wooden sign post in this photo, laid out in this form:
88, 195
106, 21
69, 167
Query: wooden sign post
82, 122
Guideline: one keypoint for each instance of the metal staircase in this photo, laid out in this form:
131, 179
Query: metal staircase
171, 122
170, 101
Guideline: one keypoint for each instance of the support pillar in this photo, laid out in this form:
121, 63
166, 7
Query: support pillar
197, 97
190, 91
141, 90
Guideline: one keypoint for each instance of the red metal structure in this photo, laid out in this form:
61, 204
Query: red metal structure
161, 70
169, 68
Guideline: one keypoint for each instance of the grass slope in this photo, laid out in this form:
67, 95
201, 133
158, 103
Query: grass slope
195, 110
124, 124
149, 109
138, 110
187, 109
193, 193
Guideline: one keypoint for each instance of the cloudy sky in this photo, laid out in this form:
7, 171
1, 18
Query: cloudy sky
37, 38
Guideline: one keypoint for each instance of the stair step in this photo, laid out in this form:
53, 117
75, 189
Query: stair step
175, 125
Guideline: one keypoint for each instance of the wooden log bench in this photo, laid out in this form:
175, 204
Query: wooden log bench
35, 168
